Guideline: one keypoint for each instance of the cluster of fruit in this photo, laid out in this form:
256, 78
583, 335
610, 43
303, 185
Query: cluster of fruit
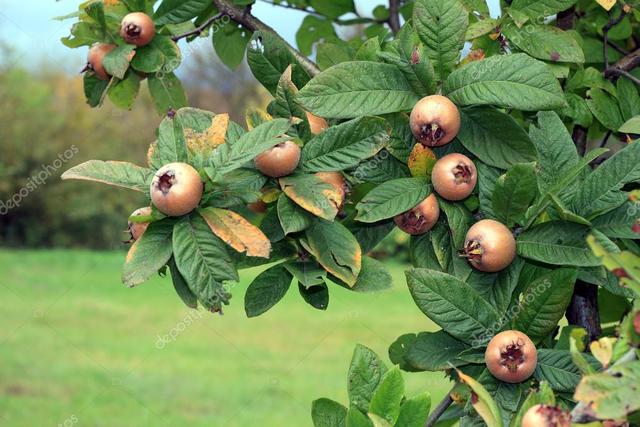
489, 245
136, 28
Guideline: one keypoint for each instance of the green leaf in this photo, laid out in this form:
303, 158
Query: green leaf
628, 99
119, 174
544, 303
495, 137
545, 42
512, 81
308, 273
355, 418
116, 63
313, 29
94, 89
229, 157
345, 145
333, 9
292, 217
148, 254
487, 178
557, 243
483, 402
181, 286
167, 92
557, 368
589, 78
442, 26
177, 11
541, 8
369, 235
354, 89
268, 57
203, 261
459, 219
230, 43
365, 374
380, 169
267, 290
433, 351
328, 413
335, 248
480, 28
513, 193
452, 304
374, 276
392, 198
605, 108
316, 296
123, 93
619, 223
556, 151
599, 193
312, 194
414, 411
387, 398
631, 126
577, 110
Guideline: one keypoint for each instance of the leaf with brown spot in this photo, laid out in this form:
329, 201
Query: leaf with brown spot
421, 160
313, 195
237, 232
212, 137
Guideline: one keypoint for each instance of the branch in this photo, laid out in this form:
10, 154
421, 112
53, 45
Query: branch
199, 30
624, 66
583, 309
437, 413
253, 24
394, 15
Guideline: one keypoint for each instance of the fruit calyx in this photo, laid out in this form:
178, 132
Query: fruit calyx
132, 30
512, 355
463, 173
430, 134
413, 222
166, 181
472, 252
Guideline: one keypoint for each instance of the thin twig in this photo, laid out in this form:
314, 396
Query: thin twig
394, 15
605, 139
199, 30
437, 413
605, 34
341, 22
253, 24
615, 72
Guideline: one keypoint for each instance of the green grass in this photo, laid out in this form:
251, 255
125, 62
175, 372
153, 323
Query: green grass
75, 344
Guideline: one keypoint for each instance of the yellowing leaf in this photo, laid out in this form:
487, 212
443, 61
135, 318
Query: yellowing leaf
606, 4
482, 401
603, 350
237, 232
313, 195
207, 141
421, 161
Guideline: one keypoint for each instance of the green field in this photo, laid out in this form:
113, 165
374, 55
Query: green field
77, 346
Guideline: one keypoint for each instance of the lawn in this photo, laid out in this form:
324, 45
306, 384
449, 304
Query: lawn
76, 346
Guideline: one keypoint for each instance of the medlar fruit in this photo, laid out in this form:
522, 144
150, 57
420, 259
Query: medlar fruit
489, 246
138, 29
95, 59
511, 356
546, 416
176, 189
454, 177
137, 229
435, 121
280, 160
420, 219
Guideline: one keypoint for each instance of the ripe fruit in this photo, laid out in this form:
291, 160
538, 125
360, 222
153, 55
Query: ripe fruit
511, 356
454, 177
489, 246
96, 57
137, 28
336, 180
420, 219
137, 229
546, 416
435, 121
176, 189
317, 124
280, 160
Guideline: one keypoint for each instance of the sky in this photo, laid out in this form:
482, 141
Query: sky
28, 26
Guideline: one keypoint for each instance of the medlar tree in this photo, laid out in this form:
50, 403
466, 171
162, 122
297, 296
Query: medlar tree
513, 166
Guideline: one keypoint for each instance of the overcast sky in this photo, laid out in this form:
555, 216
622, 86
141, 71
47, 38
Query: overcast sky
28, 26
